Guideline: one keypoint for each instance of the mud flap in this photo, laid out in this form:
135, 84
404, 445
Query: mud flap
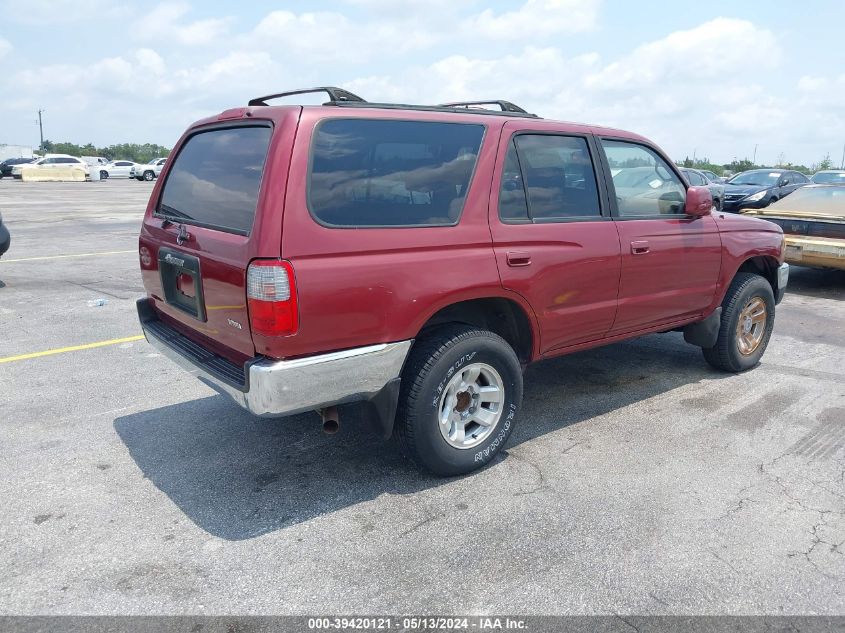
706, 332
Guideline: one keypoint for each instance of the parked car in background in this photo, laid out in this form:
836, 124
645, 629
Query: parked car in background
5, 238
149, 171
712, 177
699, 178
829, 176
758, 188
16, 169
7, 165
117, 169
54, 161
813, 223
464, 244
95, 161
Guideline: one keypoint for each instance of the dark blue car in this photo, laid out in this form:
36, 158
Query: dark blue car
758, 188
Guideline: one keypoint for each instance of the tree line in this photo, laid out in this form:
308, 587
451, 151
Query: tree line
737, 166
121, 151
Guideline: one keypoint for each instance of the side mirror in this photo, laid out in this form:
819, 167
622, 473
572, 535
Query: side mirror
699, 202
783, 182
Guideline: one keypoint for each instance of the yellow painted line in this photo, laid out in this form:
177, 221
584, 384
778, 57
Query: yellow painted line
72, 348
32, 259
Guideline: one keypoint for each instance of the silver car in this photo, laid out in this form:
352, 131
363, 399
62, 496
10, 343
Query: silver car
698, 178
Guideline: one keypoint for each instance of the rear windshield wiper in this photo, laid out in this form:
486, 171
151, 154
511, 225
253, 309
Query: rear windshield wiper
170, 214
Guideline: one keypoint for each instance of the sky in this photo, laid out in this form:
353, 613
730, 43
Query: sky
710, 79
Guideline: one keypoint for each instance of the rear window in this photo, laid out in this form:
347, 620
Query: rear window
382, 173
215, 179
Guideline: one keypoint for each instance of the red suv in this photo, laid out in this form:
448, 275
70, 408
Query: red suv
416, 258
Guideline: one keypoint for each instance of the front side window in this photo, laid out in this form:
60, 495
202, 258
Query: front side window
216, 178
386, 173
694, 178
548, 178
645, 185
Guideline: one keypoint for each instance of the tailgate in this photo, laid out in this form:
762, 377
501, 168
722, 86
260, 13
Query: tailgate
206, 221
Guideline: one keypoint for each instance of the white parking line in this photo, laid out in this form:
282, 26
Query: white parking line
32, 259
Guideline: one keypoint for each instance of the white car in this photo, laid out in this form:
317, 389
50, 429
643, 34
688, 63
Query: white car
117, 169
53, 161
148, 171
16, 169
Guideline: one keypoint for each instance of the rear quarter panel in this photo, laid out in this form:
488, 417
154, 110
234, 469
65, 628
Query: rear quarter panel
371, 285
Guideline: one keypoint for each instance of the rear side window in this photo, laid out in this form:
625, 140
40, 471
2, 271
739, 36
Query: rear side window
383, 173
548, 178
215, 179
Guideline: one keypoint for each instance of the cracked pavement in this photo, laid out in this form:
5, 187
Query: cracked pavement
637, 481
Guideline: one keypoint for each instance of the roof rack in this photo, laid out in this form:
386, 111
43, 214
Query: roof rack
429, 108
506, 106
344, 98
338, 95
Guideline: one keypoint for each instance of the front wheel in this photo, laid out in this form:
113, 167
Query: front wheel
748, 316
461, 390
148, 176
104, 175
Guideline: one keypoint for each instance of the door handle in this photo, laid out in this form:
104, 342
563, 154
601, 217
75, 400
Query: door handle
639, 248
518, 258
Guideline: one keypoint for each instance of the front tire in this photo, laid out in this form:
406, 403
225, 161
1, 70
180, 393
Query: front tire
148, 176
104, 175
748, 316
460, 393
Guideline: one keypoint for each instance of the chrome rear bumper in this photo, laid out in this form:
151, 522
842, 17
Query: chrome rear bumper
273, 388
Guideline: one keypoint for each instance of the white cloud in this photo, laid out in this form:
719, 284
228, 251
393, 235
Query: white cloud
5, 47
332, 36
537, 18
164, 22
703, 53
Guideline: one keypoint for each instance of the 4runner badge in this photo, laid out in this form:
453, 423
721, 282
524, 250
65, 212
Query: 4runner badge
175, 261
235, 324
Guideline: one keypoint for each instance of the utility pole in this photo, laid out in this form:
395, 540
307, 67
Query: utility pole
41, 130
842, 164
754, 160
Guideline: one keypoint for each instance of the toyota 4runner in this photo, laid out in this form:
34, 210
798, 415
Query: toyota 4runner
415, 259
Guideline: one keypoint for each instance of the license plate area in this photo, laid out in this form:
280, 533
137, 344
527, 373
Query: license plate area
181, 282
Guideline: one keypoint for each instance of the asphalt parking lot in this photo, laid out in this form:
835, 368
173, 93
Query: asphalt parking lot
637, 481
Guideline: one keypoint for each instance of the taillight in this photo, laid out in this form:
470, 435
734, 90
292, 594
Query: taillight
271, 296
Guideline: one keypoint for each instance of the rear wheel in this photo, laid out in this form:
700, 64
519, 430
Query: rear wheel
461, 390
104, 175
748, 316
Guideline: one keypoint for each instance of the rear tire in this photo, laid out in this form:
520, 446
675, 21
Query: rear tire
748, 316
104, 175
460, 393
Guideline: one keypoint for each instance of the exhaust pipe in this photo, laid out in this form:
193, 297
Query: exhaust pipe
331, 420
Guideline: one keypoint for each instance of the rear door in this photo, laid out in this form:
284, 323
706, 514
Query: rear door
554, 240
670, 262
203, 228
